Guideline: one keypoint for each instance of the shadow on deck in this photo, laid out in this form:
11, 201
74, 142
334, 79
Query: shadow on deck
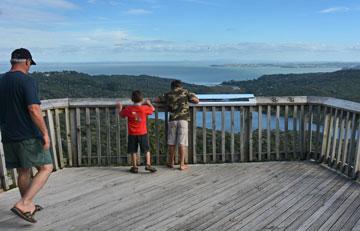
242, 196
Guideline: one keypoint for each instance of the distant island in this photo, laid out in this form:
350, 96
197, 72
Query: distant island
343, 84
339, 65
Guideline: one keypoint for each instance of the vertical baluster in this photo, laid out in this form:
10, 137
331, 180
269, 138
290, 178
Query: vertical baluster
301, 132
357, 155
78, 136
108, 136
14, 177
331, 134
118, 137
286, 131
204, 133
346, 142
58, 135
351, 149
259, 132
277, 133
309, 133
98, 135
157, 135
88, 135
232, 130
295, 131
223, 151
68, 137
242, 134
250, 133
3, 171
317, 136
268, 133
53, 139
335, 138
194, 135
166, 135
213, 113
341, 139
327, 112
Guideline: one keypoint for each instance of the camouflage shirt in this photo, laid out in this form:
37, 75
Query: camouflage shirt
177, 102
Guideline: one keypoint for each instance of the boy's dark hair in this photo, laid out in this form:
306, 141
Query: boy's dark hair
137, 96
175, 84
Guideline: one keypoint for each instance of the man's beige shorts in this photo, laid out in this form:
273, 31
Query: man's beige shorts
178, 133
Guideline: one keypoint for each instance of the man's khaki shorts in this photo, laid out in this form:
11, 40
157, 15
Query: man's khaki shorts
178, 133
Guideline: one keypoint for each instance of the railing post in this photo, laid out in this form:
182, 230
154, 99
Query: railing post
68, 137
73, 136
78, 137
325, 134
259, 133
213, 135
59, 141
357, 156
3, 171
53, 139
204, 131
277, 133
88, 135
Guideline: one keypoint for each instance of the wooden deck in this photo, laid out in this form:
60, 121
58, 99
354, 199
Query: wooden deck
245, 196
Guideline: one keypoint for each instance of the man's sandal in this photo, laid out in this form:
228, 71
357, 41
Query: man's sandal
27, 216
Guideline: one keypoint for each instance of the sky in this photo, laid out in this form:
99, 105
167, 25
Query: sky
182, 30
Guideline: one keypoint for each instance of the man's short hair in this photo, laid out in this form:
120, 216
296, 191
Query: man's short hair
175, 84
137, 96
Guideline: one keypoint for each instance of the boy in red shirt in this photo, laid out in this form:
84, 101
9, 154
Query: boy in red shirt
137, 116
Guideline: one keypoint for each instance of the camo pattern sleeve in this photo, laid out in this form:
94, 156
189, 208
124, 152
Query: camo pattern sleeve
178, 104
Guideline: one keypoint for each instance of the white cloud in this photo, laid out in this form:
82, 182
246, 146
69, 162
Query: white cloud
118, 45
337, 9
137, 12
62, 4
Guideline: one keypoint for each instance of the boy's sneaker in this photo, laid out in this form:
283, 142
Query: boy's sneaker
150, 168
134, 170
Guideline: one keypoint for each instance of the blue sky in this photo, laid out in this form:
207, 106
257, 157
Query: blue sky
176, 30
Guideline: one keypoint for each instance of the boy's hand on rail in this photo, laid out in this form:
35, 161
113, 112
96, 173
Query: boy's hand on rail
118, 107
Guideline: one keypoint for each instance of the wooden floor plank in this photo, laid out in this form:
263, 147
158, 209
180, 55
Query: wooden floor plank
294, 198
293, 212
349, 213
248, 196
217, 217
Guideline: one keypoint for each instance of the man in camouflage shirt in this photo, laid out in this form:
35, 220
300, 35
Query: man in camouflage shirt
177, 102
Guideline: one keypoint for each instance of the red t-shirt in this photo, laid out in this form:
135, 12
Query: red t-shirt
137, 116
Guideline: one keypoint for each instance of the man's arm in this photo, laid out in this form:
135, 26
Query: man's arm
37, 118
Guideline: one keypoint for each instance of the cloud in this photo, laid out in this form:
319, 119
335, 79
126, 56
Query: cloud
62, 4
201, 2
337, 9
119, 45
137, 12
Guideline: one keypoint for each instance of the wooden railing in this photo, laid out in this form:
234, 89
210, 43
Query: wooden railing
88, 132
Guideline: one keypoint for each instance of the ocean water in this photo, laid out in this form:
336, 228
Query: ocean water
197, 73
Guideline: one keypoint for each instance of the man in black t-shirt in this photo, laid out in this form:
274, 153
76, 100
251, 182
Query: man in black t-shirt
24, 134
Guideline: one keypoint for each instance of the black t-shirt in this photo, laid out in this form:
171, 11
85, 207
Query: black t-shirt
17, 92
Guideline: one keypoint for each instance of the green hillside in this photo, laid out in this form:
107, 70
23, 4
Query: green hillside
70, 84
344, 84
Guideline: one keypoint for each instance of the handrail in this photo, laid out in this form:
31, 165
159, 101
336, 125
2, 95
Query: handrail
87, 132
